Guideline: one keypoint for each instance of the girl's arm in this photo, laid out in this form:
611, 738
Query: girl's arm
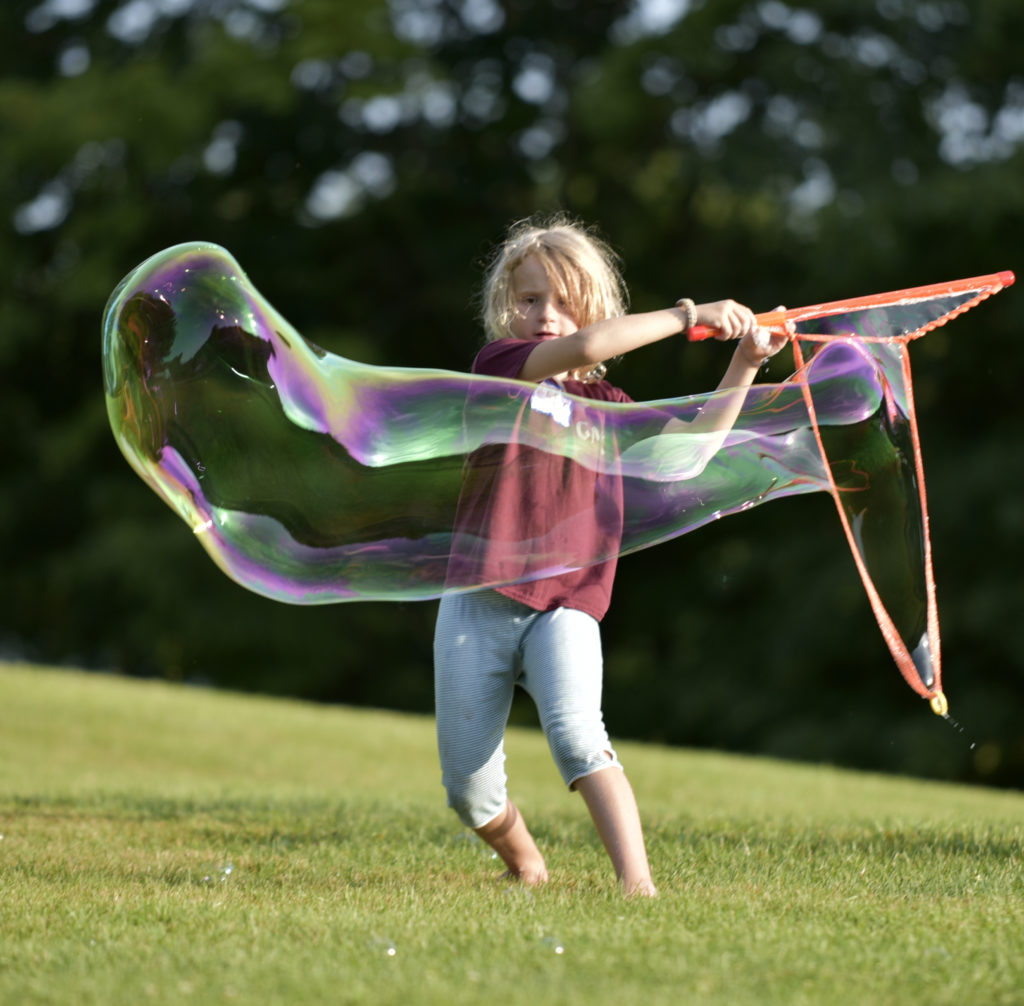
686, 448
617, 336
720, 413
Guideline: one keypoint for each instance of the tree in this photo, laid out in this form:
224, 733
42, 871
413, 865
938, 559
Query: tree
358, 158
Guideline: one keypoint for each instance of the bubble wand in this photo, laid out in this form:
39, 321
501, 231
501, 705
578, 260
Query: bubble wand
883, 324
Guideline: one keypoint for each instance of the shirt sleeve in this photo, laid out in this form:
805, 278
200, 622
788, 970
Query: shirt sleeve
503, 357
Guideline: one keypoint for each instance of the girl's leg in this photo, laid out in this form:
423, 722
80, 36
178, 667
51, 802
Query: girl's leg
610, 800
475, 665
562, 673
509, 837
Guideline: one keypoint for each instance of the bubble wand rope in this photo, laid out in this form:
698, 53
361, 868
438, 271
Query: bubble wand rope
781, 321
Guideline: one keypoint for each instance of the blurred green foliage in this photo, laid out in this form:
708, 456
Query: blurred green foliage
359, 159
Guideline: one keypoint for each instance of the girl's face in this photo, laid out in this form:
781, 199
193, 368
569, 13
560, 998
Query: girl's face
541, 312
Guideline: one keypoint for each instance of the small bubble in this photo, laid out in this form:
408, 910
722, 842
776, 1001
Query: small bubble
384, 946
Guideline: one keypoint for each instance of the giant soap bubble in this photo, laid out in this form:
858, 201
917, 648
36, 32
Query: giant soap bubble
310, 478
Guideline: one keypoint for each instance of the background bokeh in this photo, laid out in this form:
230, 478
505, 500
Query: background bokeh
360, 158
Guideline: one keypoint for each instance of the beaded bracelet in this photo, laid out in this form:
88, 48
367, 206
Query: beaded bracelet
687, 305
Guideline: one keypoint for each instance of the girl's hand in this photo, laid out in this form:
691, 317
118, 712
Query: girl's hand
733, 320
761, 344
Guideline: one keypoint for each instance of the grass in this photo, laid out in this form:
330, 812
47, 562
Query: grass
171, 845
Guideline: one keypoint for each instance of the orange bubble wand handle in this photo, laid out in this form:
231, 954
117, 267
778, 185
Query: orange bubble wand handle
780, 321
774, 320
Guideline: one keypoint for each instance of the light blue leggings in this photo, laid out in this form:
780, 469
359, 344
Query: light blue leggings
484, 645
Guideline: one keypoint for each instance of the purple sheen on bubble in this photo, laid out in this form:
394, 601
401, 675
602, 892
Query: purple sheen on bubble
312, 479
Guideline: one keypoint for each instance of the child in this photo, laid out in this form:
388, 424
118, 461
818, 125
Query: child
554, 310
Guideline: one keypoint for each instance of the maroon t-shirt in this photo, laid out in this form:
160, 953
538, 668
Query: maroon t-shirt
535, 516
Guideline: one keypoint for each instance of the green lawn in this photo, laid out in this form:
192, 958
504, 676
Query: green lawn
162, 844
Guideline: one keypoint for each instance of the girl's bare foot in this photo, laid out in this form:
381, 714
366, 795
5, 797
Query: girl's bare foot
529, 876
641, 889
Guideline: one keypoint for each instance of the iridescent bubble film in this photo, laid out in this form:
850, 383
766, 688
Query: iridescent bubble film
310, 478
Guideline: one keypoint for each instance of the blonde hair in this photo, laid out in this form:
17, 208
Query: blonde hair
580, 265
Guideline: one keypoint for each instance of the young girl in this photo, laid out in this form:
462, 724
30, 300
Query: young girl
554, 308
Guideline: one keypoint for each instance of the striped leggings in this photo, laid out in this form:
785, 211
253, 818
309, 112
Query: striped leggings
484, 645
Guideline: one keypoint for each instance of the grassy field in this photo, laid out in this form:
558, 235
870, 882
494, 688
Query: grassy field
170, 845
